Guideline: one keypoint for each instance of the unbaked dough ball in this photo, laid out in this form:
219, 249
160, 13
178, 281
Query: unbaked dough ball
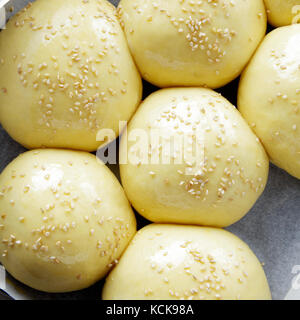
66, 72
184, 262
192, 43
269, 97
64, 220
283, 12
191, 158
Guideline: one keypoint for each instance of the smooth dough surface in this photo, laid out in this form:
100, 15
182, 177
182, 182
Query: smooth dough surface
65, 73
269, 97
168, 182
192, 43
64, 220
168, 262
283, 12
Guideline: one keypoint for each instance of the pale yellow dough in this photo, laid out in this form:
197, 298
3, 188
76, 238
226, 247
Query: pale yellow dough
222, 182
168, 262
192, 43
65, 72
64, 220
283, 12
269, 97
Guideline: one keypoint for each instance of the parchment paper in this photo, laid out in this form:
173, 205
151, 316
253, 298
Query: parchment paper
271, 228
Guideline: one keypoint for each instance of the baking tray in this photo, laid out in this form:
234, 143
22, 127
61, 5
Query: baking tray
271, 228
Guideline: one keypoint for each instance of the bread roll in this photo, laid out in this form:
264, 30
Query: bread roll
192, 43
269, 97
206, 167
66, 72
168, 262
283, 12
64, 220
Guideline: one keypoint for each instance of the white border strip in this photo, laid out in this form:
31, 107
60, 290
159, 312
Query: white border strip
2, 278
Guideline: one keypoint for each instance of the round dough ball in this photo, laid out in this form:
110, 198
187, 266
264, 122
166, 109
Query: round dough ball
192, 43
186, 262
64, 220
283, 12
68, 74
269, 97
206, 166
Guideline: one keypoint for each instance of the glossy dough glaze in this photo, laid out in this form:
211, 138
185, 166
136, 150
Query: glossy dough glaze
168, 262
64, 220
219, 189
283, 12
68, 73
269, 97
192, 43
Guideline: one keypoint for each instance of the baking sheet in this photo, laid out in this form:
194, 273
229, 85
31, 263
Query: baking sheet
271, 228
